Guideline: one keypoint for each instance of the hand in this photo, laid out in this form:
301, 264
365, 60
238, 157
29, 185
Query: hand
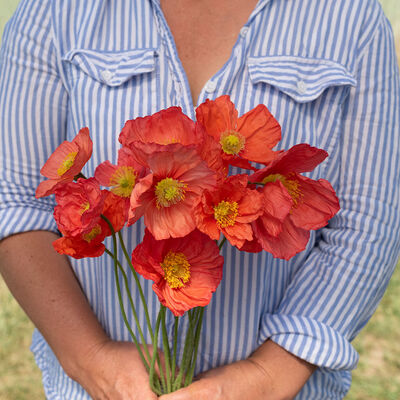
115, 371
237, 381
270, 373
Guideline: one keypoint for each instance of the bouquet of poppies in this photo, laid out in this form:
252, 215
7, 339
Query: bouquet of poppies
174, 173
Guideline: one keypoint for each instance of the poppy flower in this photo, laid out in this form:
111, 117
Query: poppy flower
90, 242
230, 209
186, 271
164, 127
313, 202
79, 205
248, 138
168, 195
171, 126
121, 178
65, 163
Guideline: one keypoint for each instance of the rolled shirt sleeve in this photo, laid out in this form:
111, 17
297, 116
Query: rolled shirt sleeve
33, 106
335, 292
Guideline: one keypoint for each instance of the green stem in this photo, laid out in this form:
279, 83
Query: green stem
146, 311
173, 368
134, 310
153, 359
141, 294
167, 354
117, 263
121, 304
222, 243
189, 376
187, 351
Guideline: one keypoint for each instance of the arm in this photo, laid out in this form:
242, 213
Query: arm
33, 119
43, 283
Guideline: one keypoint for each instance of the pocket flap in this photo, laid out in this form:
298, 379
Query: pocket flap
303, 79
112, 68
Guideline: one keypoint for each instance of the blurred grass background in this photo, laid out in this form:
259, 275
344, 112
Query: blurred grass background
376, 378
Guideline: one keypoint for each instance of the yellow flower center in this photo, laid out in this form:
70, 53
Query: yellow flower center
84, 207
232, 142
169, 191
67, 163
292, 186
177, 269
88, 237
123, 181
225, 212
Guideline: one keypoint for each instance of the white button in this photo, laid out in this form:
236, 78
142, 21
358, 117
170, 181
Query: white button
243, 31
301, 87
107, 75
211, 86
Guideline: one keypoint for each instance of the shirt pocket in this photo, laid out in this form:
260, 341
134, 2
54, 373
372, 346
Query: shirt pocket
111, 68
301, 92
302, 79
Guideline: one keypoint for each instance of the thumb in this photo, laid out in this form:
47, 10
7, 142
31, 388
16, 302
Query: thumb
181, 394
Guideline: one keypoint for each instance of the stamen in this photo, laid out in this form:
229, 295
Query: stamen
88, 237
225, 212
67, 163
123, 181
232, 142
169, 191
177, 269
291, 185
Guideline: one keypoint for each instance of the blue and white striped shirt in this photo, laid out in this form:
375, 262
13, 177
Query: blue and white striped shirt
325, 68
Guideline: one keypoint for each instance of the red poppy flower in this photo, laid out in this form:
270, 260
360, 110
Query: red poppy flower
171, 126
250, 137
79, 205
230, 209
85, 245
90, 242
164, 127
121, 177
313, 202
185, 271
167, 197
65, 163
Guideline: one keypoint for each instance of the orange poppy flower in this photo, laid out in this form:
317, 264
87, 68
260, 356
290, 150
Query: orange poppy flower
171, 126
79, 205
168, 195
310, 203
230, 209
248, 138
164, 127
121, 177
185, 271
65, 163
85, 245
90, 242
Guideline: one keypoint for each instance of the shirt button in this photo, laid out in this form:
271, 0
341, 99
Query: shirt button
211, 86
107, 75
243, 31
301, 87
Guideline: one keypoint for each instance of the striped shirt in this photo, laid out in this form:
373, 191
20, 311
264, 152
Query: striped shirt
327, 71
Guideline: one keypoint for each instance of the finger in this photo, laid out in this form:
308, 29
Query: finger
192, 392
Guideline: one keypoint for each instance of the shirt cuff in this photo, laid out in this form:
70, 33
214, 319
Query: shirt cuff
26, 218
310, 340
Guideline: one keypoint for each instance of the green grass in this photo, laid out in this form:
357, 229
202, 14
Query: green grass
20, 379
377, 376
